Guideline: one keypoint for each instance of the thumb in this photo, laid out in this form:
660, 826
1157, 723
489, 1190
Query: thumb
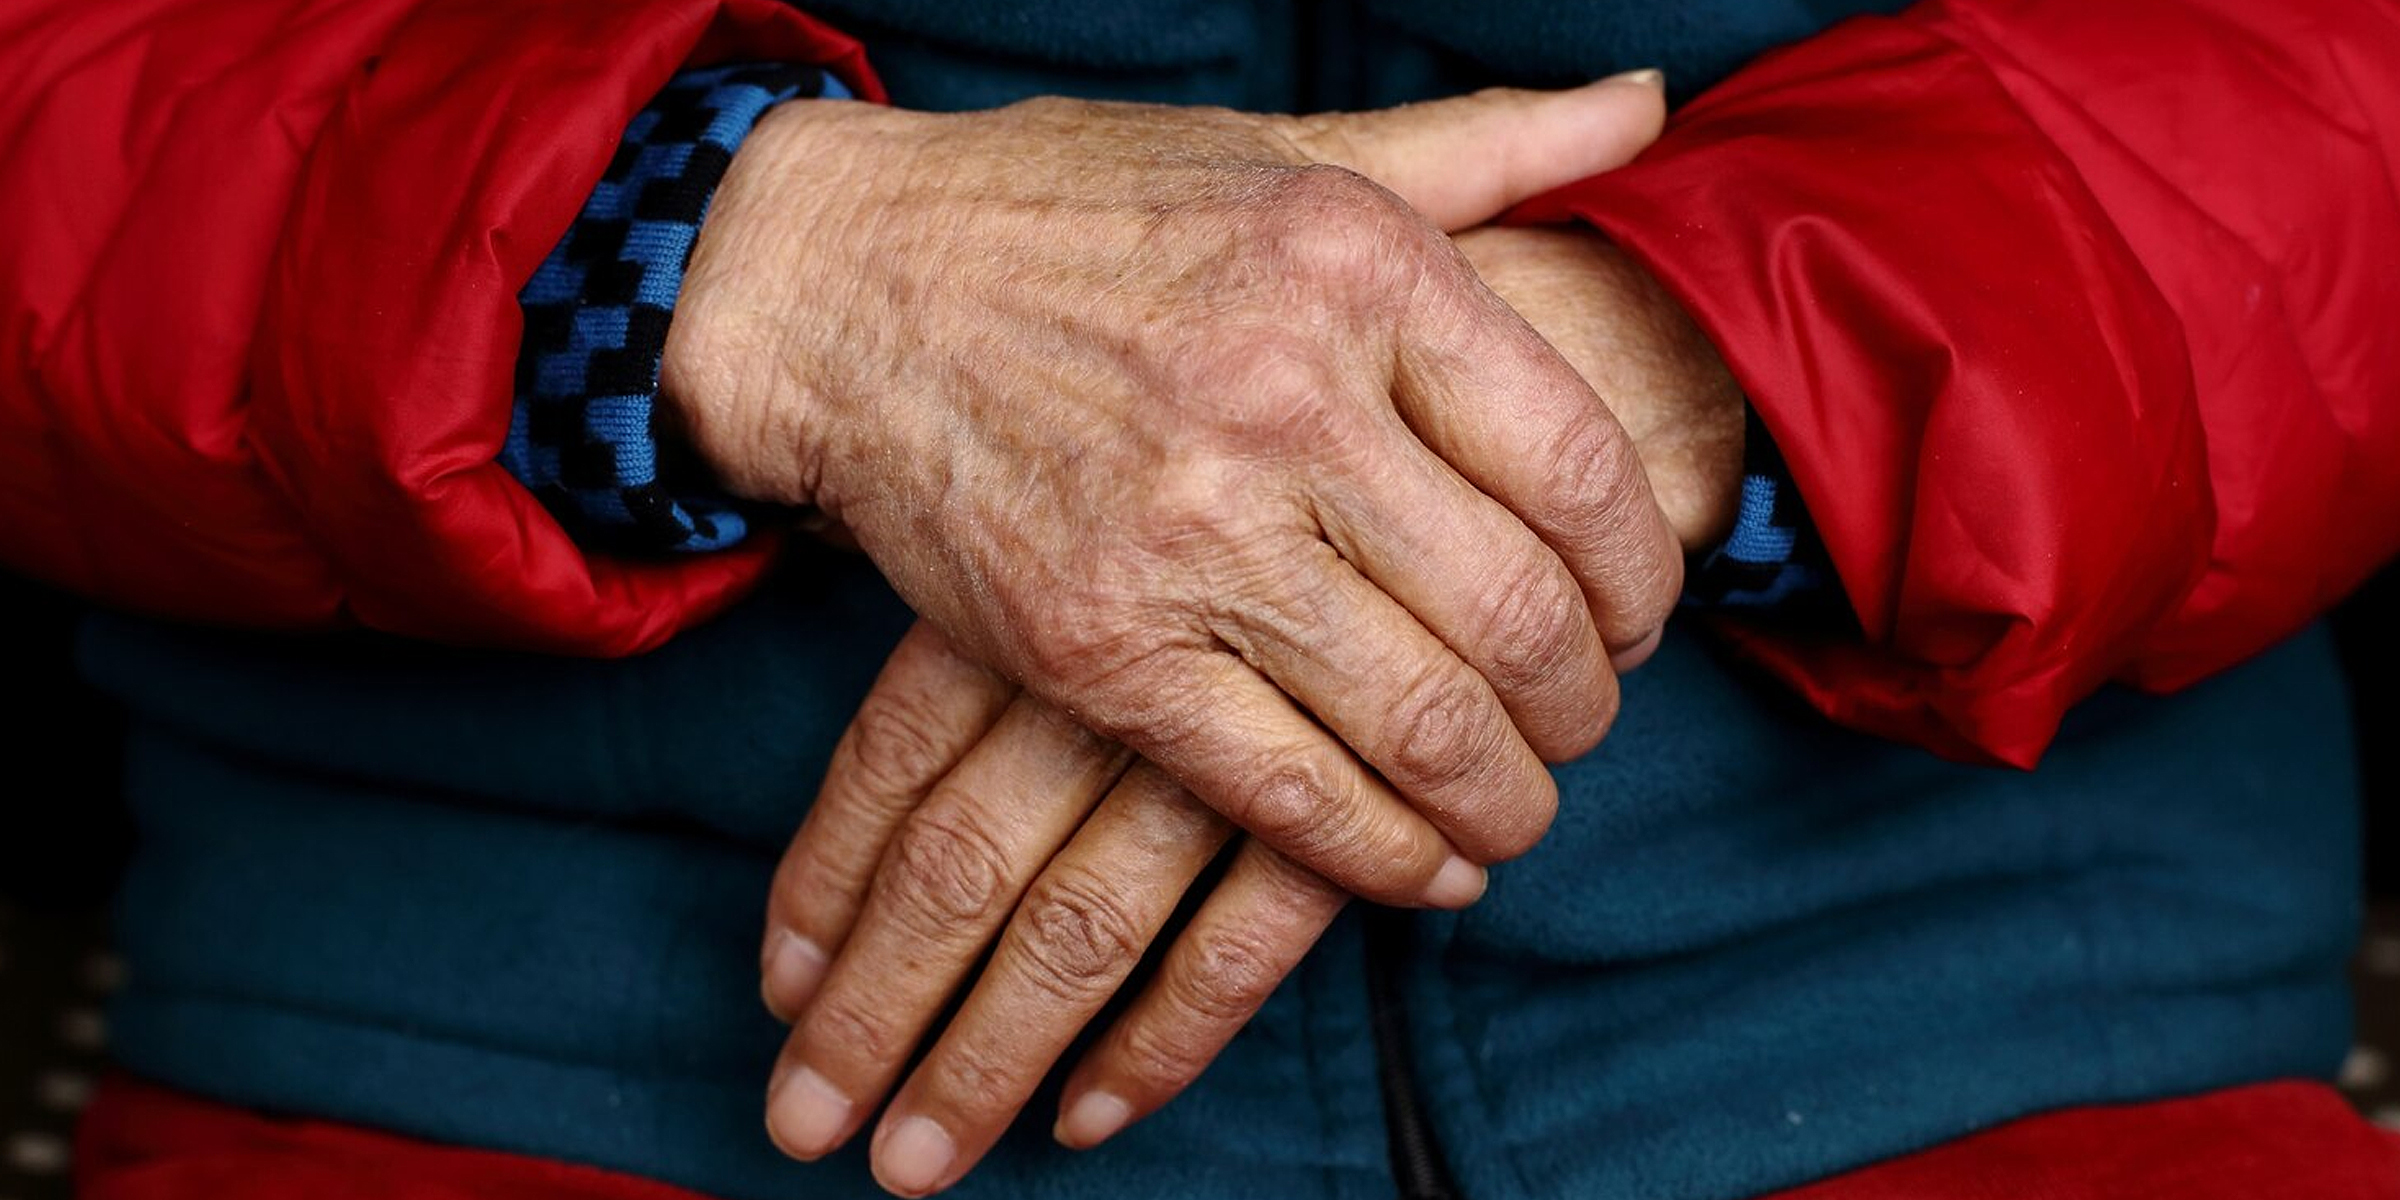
1465, 160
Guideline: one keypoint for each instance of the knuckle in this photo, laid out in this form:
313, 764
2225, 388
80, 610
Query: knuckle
1270, 395
859, 1030
1319, 816
1077, 937
1232, 973
1298, 806
1534, 622
1198, 497
945, 868
1599, 500
1335, 229
891, 747
1267, 379
974, 1081
1161, 1057
1444, 728
1595, 484
1276, 369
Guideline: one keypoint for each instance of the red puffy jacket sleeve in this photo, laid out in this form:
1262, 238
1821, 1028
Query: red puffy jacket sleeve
258, 316
2078, 322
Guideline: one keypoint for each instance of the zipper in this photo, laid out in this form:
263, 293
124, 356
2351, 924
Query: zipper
1417, 1164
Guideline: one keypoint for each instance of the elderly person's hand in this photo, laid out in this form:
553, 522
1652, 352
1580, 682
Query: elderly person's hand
1662, 380
1074, 902
1224, 450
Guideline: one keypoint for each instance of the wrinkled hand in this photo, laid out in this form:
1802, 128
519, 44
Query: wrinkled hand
1078, 863
1638, 348
1225, 451
943, 744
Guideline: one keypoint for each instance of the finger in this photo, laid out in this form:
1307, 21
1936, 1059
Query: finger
1635, 655
1486, 586
1083, 926
1496, 402
1239, 742
952, 874
1250, 932
1636, 347
1400, 699
1522, 143
927, 708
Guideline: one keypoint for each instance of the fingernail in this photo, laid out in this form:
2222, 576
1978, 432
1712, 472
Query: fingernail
1458, 884
1095, 1117
914, 1157
1647, 77
805, 1115
794, 968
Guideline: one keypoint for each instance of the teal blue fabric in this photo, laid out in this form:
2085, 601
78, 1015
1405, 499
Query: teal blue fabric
582, 435
515, 903
1305, 55
1754, 951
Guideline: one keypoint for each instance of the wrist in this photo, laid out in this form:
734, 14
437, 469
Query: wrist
750, 367
587, 431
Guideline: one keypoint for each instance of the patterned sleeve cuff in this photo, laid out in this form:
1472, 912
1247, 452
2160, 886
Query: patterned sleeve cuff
596, 313
1772, 559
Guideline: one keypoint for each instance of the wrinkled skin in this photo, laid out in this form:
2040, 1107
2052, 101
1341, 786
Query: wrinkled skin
962, 815
1220, 448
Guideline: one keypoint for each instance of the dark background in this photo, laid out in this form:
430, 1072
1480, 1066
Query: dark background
2372, 655
63, 836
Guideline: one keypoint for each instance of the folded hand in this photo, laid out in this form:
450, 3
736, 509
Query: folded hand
960, 811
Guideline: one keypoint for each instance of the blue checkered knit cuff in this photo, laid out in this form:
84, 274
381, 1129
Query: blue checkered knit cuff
596, 315
1773, 558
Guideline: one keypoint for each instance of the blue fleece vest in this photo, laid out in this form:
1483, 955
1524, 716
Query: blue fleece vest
514, 902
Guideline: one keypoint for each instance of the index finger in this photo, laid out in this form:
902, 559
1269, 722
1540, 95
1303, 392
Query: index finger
1508, 412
